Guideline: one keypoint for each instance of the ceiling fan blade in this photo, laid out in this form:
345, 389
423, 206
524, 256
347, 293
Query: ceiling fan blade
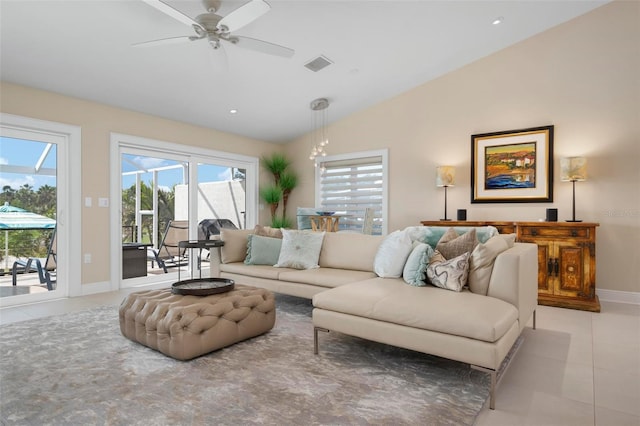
162, 41
262, 46
176, 14
243, 15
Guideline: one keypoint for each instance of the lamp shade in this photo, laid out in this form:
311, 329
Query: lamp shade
573, 169
445, 176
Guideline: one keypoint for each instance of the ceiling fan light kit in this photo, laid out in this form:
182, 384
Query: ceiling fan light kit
215, 28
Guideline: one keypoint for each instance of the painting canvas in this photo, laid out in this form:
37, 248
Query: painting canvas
512, 166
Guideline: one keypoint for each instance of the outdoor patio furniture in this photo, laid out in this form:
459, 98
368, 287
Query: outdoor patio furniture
169, 254
45, 267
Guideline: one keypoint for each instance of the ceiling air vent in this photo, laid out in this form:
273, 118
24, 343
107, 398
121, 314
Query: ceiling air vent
318, 63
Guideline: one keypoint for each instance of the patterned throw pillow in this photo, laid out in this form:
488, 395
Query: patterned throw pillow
451, 245
415, 270
448, 274
262, 250
300, 249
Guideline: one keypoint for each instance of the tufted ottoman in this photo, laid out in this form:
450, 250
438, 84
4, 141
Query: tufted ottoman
184, 327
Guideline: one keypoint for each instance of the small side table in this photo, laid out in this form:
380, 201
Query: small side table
328, 223
198, 244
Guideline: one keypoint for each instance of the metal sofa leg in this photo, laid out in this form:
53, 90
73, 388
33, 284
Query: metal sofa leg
534, 318
315, 338
492, 390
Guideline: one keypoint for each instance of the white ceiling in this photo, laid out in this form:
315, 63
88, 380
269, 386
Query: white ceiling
379, 49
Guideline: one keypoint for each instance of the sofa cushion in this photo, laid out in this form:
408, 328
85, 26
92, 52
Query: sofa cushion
300, 249
453, 245
449, 274
415, 269
262, 250
432, 234
257, 271
463, 314
343, 250
392, 255
235, 245
325, 277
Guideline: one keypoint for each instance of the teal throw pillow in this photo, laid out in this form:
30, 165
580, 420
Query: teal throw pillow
262, 250
415, 270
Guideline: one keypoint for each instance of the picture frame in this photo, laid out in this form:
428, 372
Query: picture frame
512, 166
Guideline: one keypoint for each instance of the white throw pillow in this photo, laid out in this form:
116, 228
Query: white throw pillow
300, 249
392, 255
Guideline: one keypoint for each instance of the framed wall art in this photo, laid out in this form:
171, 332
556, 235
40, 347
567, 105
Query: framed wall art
513, 166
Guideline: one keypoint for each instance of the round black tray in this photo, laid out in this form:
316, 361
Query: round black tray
202, 286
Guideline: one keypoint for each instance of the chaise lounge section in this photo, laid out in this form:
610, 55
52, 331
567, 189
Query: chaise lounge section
350, 298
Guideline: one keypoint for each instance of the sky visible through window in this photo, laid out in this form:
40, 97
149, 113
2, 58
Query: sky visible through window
25, 153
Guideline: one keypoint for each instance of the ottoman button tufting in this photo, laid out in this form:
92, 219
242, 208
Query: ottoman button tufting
172, 324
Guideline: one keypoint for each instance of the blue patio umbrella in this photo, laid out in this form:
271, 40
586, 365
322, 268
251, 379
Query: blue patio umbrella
14, 218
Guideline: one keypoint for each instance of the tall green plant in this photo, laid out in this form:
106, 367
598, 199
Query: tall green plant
284, 182
272, 196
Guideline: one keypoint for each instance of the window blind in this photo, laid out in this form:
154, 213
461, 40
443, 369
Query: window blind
350, 186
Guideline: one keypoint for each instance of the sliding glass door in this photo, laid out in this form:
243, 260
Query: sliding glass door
173, 194
39, 248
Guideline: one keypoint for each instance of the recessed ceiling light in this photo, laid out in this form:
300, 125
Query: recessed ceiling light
498, 20
233, 111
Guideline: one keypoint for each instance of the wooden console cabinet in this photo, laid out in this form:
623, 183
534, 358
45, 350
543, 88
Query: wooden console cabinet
566, 259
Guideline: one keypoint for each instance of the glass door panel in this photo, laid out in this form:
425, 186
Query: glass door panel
155, 216
28, 212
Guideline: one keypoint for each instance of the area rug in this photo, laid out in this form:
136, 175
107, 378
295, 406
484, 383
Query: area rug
77, 369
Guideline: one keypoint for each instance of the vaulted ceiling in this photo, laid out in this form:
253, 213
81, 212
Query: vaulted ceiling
378, 49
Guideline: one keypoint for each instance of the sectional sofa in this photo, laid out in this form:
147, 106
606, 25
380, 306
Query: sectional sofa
349, 296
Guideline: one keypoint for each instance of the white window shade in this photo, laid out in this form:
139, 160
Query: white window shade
351, 185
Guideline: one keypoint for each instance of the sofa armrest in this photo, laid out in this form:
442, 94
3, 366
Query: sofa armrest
515, 279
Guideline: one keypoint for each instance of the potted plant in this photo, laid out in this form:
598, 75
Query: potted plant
284, 182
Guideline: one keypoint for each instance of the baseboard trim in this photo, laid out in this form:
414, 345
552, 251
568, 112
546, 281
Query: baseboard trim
94, 288
618, 296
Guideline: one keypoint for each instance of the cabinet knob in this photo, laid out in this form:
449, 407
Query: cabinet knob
574, 233
556, 267
534, 232
549, 267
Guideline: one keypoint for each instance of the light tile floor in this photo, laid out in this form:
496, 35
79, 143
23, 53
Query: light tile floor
576, 368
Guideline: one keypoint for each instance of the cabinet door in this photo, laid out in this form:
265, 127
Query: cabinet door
571, 277
545, 267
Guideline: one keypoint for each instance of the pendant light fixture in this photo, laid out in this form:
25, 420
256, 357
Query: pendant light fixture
319, 128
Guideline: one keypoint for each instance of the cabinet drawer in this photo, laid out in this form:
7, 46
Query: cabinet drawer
555, 232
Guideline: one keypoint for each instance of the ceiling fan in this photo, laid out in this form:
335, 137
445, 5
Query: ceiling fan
215, 28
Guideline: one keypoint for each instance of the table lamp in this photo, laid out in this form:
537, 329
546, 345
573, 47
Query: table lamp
445, 177
573, 169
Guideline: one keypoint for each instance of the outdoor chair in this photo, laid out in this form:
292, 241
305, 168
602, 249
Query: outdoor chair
210, 227
45, 267
168, 254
